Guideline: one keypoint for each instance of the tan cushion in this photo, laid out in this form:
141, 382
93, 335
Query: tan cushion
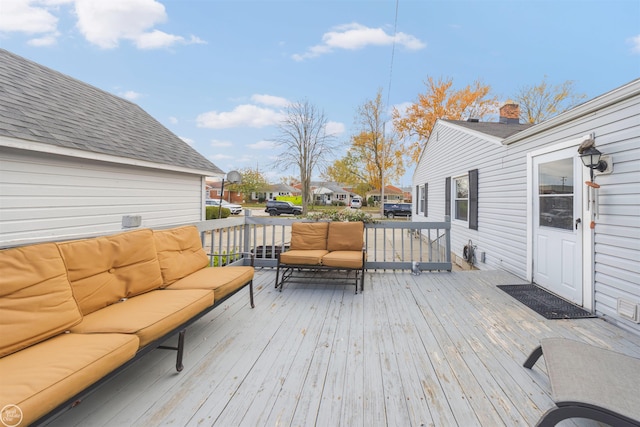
222, 280
306, 257
36, 301
103, 270
345, 236
344, 259
309, 235
180, 252
149, 316
39, 378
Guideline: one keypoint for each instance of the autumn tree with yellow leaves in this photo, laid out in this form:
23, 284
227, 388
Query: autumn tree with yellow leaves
441, 101
374, 157
543, 101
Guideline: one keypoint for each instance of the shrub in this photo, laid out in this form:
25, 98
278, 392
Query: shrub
223, 259
212, 212
341, 215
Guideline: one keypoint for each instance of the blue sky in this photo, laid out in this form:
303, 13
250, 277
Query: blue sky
218, 73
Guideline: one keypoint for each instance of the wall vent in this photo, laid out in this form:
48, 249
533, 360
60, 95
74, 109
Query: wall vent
629, 310
131, 221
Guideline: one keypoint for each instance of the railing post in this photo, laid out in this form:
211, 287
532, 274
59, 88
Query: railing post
246, 233
447, 219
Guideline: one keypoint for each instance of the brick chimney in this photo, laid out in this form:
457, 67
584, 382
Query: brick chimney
510, 113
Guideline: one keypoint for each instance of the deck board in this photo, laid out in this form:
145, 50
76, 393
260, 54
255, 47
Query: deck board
441, 349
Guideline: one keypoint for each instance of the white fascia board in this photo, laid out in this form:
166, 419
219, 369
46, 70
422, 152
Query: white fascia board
22, 144
617, 95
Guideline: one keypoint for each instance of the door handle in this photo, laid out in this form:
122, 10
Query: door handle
578, 221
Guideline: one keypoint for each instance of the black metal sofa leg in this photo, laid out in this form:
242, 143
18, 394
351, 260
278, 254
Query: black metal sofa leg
179, 349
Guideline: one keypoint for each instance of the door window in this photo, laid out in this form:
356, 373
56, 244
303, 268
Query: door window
555, 192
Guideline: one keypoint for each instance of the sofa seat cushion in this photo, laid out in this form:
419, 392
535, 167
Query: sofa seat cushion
222, 280
36, 300
303, 257
180, 252
104, 270
345, 236
43, 376
149, 316
309, 235
343, 259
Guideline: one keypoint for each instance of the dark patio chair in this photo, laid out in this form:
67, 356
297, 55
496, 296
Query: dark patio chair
589, 382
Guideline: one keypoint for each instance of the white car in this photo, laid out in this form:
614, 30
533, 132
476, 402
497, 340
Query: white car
235, 209
356, 203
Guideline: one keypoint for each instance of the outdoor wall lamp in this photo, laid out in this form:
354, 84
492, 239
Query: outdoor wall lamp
591, 157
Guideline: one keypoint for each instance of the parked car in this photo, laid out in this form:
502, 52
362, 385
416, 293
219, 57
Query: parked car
279, 207
392, 210
235, 209
356, 203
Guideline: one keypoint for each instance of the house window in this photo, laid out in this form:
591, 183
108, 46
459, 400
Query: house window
461, 197
425, 200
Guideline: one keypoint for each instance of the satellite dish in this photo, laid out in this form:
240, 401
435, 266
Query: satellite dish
234, 177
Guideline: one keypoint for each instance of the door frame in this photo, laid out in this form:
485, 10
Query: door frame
587, 232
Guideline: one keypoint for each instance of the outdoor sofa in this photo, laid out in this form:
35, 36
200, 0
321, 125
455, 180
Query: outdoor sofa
589, 382
74, 313
323, 246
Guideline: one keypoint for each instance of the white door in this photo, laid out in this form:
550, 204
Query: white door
557, 223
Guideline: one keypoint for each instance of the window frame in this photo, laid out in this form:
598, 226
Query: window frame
455, 199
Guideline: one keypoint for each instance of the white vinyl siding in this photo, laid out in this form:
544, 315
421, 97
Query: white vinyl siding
502, 234
46, 196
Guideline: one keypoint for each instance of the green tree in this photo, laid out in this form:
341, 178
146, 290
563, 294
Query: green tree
252, 182
544, 100
304, 143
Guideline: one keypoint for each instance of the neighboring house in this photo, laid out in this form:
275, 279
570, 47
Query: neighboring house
276, 190
391, 194
215, 187
517, 194
326, 193
78, 161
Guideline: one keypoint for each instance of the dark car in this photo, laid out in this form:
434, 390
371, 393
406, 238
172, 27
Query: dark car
392, 210
278, 207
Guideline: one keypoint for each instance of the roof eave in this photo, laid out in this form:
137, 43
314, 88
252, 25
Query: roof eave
22, 144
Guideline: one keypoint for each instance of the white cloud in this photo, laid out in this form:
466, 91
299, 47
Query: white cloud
273, 101
32, 18
356, 36
262, 145
635, 44
106, 23
243, 115
218, 143
173, 120
220, 157
335, 128
46, 40
187, 140
130, 95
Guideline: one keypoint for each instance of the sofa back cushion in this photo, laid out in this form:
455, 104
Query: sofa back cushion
104, 270
180, 252
36, 301
345, 236
309, 235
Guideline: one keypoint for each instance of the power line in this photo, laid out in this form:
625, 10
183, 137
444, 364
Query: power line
393, 50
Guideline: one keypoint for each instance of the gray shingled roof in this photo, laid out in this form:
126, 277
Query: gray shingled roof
42, 105
500, 130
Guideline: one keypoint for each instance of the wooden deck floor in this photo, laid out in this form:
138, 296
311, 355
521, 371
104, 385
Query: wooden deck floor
442, 349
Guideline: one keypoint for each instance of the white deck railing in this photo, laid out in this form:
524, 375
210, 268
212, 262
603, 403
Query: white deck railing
399, 245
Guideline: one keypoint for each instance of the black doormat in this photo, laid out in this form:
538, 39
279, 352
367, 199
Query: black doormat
545, 303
